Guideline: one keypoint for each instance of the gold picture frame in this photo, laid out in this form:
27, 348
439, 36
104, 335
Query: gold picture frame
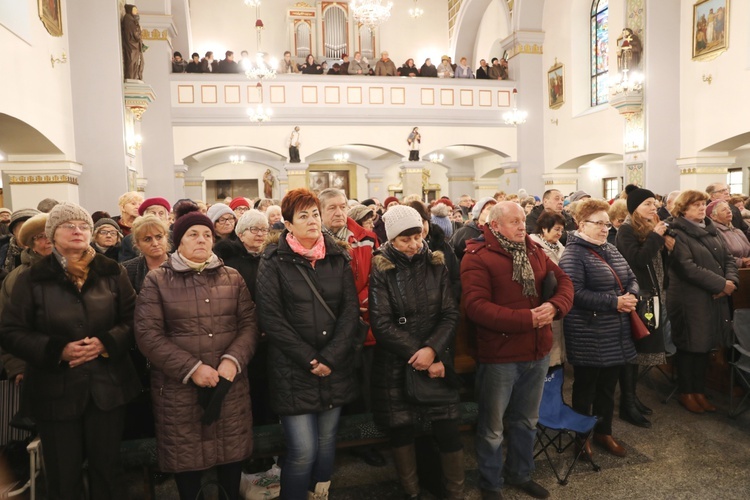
710, 29
556, 85
50, 12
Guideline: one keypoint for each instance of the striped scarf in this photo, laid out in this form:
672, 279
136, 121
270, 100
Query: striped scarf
523, 273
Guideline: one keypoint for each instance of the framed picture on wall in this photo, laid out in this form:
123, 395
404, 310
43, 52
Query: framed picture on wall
710, 28
556, 85
51, 16
319, 181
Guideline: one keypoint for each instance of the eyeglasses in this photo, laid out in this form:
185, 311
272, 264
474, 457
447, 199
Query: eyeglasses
241, 209
107, 233
600, 224
40, 236
72, 227
258, 230
725, 190
225, 220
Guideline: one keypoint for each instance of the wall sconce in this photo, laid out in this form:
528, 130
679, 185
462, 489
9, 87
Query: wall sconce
708, 79
553, 121
62, 60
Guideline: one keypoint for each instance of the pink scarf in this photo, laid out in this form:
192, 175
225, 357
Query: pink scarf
317, 252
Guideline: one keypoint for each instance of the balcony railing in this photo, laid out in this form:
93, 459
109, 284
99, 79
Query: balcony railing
333, 99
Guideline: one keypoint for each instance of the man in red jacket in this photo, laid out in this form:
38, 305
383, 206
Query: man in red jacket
362, 243
503, 275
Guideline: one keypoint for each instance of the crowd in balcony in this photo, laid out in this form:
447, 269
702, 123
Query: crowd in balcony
358, 65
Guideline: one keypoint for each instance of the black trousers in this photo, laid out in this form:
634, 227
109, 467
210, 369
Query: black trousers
293, 154
446, 434
363, 404
691, 371
96, 435
594, 394
414, 155
227, 475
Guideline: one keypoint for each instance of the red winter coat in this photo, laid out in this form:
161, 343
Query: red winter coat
497, 307
362, 244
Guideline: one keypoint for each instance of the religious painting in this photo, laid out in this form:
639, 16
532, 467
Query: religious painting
319, 181
556, 86
50, 12
710, 28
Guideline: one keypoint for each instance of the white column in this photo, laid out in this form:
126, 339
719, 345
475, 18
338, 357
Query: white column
96, 77
699, 172
56, 179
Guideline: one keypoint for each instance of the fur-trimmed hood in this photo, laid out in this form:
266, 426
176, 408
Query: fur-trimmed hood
384, 258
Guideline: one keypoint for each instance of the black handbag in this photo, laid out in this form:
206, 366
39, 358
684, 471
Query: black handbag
362, 326
418, 386
648, 305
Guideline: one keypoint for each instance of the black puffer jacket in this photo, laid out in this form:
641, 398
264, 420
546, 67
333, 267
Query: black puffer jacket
46, 312
699, 269
437, 242
300, 329
432, 316
469, 231
235, 255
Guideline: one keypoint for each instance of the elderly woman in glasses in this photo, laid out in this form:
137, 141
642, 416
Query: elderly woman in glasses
224, 220
598, 341
107, 238
70, 317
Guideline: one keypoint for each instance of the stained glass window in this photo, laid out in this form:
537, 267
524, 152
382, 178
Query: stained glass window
599, 52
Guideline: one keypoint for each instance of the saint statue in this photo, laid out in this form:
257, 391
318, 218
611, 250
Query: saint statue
268, 181
294, 144
132, 44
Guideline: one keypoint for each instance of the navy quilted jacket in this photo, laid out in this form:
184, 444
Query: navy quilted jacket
595, 333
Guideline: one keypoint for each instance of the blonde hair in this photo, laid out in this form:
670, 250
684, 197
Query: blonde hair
129, 197
618, 210
149, 223
687, 198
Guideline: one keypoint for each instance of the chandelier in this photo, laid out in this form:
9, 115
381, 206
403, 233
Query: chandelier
436, 158
515, 116
261, 70
252, 3
260, 114
415, 11
237, 159
371, 13
341, 157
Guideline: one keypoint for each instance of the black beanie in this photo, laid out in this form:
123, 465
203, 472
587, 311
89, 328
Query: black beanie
636, 196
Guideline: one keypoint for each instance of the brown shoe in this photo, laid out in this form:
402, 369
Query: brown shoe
703, 402
587, 453
690, 404
609, 444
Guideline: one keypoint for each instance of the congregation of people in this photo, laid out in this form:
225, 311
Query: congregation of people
357, 65
194, 322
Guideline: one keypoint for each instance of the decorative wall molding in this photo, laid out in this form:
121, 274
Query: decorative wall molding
155, 34
44, 179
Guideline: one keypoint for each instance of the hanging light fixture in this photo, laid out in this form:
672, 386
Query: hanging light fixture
341, 157
415, 11
237, 159
436, 158
252, 3
371, 13
260, 114
260, 70
515, 116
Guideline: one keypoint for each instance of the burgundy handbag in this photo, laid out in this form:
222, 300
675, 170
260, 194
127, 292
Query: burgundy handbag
638, 330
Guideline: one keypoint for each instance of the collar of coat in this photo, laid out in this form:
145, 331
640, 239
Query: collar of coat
277, 243
383, 262
693, 230
49, 269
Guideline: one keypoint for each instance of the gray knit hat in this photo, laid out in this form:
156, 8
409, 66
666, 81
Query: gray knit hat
217, 210
359, 212
20, 216
65, 212
107, 222
400, 218
479, 206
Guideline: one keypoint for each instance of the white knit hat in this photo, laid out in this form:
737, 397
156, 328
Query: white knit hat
399, 218
217, 210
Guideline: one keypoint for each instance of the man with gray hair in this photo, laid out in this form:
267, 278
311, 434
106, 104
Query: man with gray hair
362, 243
720, 191
502, 274
665, 212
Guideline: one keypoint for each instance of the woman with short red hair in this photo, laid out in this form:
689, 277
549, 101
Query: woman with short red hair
308, 307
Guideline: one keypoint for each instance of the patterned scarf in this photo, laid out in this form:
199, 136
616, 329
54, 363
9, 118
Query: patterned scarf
77, 270
342, 234
317, 252
14, 254
522, 270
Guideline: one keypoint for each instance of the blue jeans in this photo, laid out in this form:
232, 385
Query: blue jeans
513, 390
311, 448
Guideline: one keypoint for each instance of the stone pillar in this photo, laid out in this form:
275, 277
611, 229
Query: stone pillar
194, 188
510, 178
565, 181
179, 181
96, 86
56, 179
525, 68
412, 180
699, 172
156, 126
460, 183
296, 176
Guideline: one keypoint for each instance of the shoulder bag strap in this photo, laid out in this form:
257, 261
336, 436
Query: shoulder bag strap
399, 302
315, 291
610, 268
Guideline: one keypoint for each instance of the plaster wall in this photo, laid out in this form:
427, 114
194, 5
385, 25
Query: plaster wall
493, 27
37, 93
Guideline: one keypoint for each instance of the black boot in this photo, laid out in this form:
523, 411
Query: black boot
453, 473
628, 410
645, 410
405, 459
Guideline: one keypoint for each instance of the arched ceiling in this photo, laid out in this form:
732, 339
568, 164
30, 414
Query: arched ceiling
19, 138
